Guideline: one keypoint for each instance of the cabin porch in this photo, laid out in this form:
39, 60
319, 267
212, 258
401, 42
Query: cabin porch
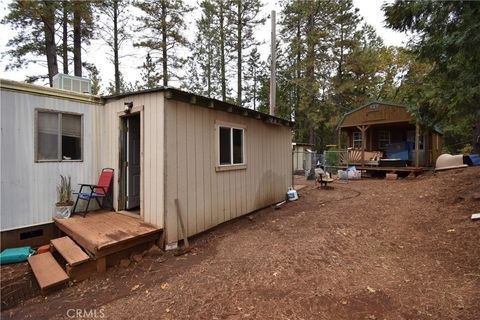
387, 145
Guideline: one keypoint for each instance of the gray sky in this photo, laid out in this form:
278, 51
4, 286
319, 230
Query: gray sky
96, 53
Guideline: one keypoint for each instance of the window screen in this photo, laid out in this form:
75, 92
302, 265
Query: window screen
47, 142
225, 140
237, 146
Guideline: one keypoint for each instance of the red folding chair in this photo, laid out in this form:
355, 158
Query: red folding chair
97, 191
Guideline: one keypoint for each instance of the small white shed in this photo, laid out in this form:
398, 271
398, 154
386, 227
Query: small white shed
302, 157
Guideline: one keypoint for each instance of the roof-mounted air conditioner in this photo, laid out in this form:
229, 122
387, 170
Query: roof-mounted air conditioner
72, 83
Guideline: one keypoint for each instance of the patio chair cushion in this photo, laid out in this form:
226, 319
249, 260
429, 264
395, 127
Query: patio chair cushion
89, 195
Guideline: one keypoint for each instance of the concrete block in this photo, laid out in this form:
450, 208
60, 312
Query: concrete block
391, 176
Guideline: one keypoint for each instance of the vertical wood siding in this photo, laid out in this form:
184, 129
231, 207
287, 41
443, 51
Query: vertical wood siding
28, 189
206, 197
152, 198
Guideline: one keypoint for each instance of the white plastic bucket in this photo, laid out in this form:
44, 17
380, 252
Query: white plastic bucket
292, 195
63, 212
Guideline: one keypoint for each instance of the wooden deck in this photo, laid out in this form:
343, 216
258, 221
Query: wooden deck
105, 233
389, 169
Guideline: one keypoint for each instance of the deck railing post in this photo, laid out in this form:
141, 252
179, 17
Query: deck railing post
363, 130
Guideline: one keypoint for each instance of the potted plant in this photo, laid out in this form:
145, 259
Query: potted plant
64, 204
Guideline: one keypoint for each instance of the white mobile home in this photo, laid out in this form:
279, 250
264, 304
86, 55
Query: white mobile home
219, 160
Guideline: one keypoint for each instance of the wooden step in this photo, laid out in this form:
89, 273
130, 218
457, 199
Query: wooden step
73, 254
48, 272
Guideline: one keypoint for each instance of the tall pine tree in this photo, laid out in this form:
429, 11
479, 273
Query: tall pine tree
445, 36
150, 76
35, 23
204, 62
83, 26
162, 25
114, 30
245, 19
252, 79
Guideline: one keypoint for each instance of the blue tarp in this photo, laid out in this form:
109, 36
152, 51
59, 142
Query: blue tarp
399, 150
472, 159
402, 155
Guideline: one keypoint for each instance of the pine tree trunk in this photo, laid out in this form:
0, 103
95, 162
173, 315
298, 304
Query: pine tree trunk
255, 90
50, 45
164, 44
65, 37
298, 74
115, 46
340, 61
209, 72
222, 53
239, 52
310, 73
77, 38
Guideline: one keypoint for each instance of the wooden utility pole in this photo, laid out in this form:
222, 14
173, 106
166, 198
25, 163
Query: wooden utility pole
273, 82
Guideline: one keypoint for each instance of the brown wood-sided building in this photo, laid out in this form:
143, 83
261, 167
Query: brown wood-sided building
392, 130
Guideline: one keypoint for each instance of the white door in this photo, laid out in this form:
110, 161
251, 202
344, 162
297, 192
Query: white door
133, 162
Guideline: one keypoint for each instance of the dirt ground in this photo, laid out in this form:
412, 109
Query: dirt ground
369, 249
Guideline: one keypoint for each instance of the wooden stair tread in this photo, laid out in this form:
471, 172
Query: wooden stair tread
72, 253
47, 270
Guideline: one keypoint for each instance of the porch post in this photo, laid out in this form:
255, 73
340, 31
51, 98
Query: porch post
339, 138
417, 147
427, 147
363, 129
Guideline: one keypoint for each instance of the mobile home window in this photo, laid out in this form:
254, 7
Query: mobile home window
58, 136
357, 140
383, 139
231, 145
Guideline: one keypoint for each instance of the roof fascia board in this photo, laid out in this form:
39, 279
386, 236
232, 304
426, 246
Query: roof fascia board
47, 91
210, 103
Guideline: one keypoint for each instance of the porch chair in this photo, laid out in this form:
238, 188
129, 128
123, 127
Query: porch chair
97, 191
322, 178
